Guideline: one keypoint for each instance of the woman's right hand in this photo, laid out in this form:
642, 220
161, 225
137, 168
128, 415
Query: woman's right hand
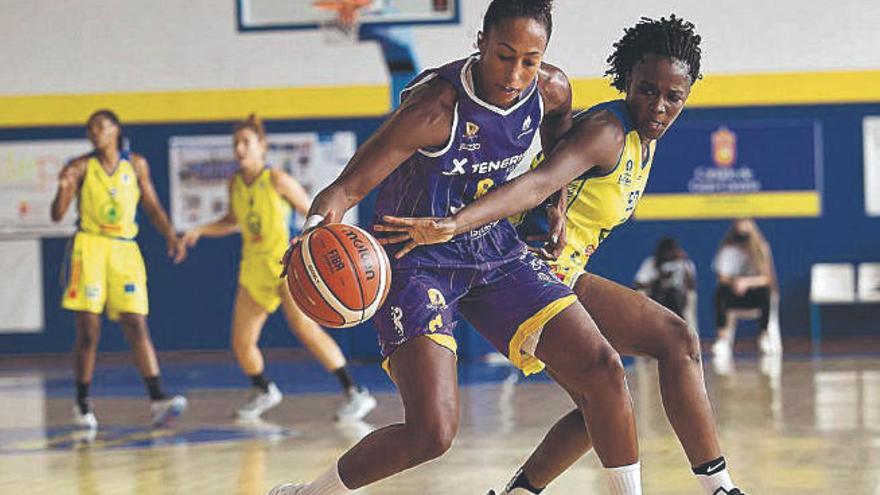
190, 237
740, 286
415, 231
314, 220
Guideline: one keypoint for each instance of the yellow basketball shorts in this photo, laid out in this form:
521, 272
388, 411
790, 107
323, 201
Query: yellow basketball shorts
259, 277
569, 268
105, 274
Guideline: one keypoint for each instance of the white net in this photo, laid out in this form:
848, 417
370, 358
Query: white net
343, 25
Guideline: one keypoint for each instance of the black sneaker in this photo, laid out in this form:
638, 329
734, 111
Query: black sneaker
722, 491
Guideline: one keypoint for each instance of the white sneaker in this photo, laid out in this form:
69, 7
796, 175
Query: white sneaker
86, 421
163, 411
260, 402
84, 436
288, 489
354, 431
723, 364
358, 405
768, 346
722, 349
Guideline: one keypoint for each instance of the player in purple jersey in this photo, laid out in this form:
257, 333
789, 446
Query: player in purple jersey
655, 64
459, 131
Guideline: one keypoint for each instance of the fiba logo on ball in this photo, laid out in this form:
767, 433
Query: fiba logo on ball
334, 259
338, 275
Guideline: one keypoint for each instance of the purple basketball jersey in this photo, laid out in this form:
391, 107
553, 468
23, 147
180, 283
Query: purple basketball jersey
485, 144
486, 275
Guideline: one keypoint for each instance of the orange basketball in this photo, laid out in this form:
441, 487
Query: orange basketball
339, 275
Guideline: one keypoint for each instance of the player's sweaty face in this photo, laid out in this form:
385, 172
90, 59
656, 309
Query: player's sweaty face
249, 148
510, 56
657, 90
103, 133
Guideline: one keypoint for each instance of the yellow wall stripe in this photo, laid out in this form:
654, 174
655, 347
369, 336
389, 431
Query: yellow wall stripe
198, 106
704, 206
375, 100
790, 88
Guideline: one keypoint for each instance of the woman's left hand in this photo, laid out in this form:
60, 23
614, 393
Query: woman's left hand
554, 240
415, 231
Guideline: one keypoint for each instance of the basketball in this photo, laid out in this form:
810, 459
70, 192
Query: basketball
339, 275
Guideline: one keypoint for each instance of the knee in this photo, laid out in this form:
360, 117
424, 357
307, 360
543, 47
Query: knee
87, 339
602, 367
134, 326
431, 441
680, 340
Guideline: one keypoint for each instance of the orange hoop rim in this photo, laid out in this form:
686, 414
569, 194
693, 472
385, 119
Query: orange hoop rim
346, 10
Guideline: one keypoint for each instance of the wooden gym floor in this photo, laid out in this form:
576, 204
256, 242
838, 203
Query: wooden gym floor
803, 425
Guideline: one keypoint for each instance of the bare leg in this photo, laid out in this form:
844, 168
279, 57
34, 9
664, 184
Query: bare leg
646, 328
636, 325
565, 443
313, 337
85, 347
248, 318
138, 335
579, 355
427, 379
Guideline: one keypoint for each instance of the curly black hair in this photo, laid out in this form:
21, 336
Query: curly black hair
673, 37
539, 10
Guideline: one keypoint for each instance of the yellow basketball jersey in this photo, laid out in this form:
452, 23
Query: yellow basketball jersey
263, 216
108, 202
597, 203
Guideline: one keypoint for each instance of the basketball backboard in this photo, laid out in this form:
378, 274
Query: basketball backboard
263, 15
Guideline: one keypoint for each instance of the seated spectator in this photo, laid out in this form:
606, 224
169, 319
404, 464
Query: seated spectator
668, 276
746, 280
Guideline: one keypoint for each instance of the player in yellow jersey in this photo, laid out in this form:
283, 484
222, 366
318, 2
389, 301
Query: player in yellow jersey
261, 198
106, 271
603, 162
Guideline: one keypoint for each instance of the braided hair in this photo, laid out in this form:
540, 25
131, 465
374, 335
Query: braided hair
673, 37
539, 10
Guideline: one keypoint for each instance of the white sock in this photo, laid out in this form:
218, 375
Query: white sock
713, 477
328, 483
625, 480
711, 483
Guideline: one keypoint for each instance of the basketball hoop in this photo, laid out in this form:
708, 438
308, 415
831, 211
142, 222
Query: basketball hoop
347, 19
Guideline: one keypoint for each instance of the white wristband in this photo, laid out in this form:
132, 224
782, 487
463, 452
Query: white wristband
313, 221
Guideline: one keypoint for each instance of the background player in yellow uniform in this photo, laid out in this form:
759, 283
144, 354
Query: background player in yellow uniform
261, 198
605, 160
106, 270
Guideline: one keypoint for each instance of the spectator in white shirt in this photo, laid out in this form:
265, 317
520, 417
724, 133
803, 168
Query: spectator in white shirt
746, 278
668, 276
